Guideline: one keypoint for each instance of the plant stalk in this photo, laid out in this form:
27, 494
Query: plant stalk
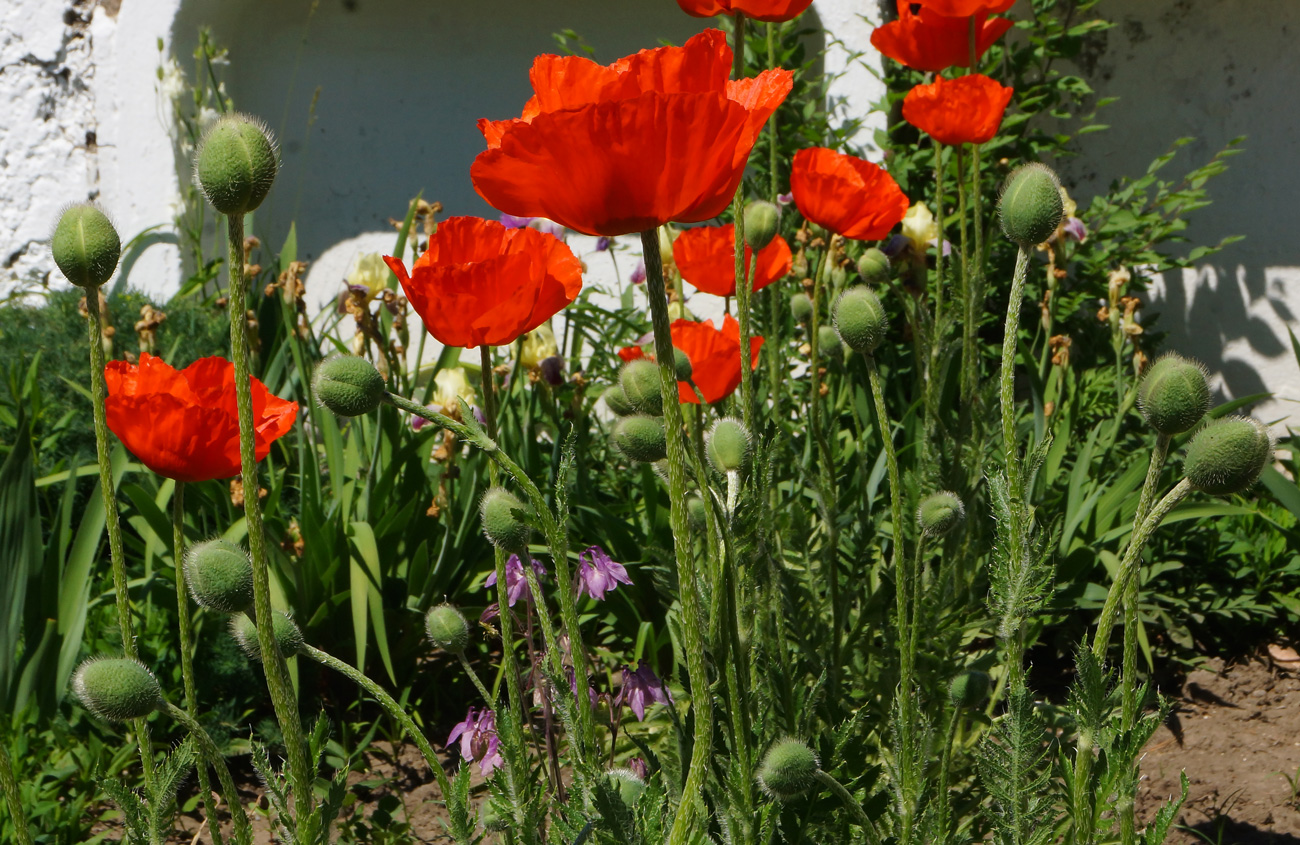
208, 749
17, 818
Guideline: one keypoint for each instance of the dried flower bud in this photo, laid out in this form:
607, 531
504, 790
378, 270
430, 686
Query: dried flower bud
1174, 394
220, 576
287, 635
761, 222
1031, 207
727, 445
502, 520
860, 319
641, 437
1228, 455
447, 628
85, 246
939, 513
236, 164
789, 769
117, 689
642, 386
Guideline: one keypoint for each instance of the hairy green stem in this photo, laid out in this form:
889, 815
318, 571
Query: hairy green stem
488, 698
17, 818
826, 465
943, 799
851, 804
209, 751
931, 384
285, 702
743, 290
690, 809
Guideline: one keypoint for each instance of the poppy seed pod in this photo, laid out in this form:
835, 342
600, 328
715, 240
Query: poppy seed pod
1031, 207
682, 365
970, 689
85, 246
1228, 455
641, 437
616, 400
220, 576
287, 635
642, 386
116, 689
761, 221
349, 385
860, 319
447, 628
939, 513
801, 307
236, 164
874, 267
789, 769
1174, 394
501, 520
728, 445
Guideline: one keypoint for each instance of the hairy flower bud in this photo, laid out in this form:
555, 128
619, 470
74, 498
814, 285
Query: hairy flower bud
236, 164
761, 222
1228, 455
1031, 206
695, 507
828, 342
970, 689
641, 437
1174, 394
860, 319
502, 522
288, 637
220, 576
616, 400
940, 513
789, 769
801, 307
627, 785
642, 386
447, 628
85, 246
727, 445
116, 689
874, 267
348, 385
682, 365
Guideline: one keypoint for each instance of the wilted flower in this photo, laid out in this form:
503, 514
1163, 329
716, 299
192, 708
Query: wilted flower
478, 740
642, 685
516, 582
368, 276
599, 573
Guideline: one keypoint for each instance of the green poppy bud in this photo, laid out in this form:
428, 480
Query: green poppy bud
502, 522
695, 512
447, 628
1031, 205
627, 785
761, 221
828, 342
236, 164
860, 319
727, 445
348, 385
682, 365
287, 635
116, 689
85, 246
940, 513
1228, 455
789, 769
874, 267
970, 689
220, 576
801, 307
493, 820
1174, 394
641, 437
616, 400
642, 386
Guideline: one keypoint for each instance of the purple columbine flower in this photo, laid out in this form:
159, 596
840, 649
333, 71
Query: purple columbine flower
573, 685
512, 222
642, 685
638, 275
599, 573
516, 583
478, 740
603, 243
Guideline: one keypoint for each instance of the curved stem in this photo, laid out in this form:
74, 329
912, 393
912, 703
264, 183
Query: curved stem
850, 803
488, 698
210, 752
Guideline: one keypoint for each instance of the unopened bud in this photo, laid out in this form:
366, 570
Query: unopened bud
348, 385
728, 445
1031, 207
970, 689
220, 576
1228, 455
761, 222
874, 267
801, 307
288, 637
789, 769
939, 513
236, 164
641, 437
85, 246
860, 319
117, 689
503, 524
642, 386
1174, 394
447, 628
616, 400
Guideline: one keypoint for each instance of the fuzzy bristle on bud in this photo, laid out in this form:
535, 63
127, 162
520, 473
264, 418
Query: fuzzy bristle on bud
220, 576
616, 400
447, 628
727, 445
348, 385
85, 245
939, 513
1031, 206
801, 307
682, 366
288, 637
874, 267
503, 521
116, 689
1228, 455
860, 319
236, 164
641, 437
1174, 394
970, 689
627, 785
789, 769
829, 343
762, 219
642, 386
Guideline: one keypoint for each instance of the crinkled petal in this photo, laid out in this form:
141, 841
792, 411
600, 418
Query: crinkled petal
846, 195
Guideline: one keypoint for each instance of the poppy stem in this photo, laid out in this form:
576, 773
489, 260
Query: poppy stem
283, 697
208, 751
12, 798
689, 810
937, 327
826, 461
187, 649
743, 288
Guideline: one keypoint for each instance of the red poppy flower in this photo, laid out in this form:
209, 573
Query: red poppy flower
966, 8
772, 11
967, 109
715, 357
926, 40
707, 258
846, 195
184, 424
631, 353
609, 150
481, 283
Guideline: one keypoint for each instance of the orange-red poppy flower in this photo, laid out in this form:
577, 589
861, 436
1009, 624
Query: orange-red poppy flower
772, 11
706, 256
846, 195
967, 109
482, 283
609, 150
184, 424
965, 8
715, 357
631, 353
923, 39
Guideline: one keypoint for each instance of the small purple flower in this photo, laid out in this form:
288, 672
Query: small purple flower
516, 583
418, 423
785, 199
642, 685
573, 685
603, 243
638, 767
599, 573
638, 275
478, 740
896, 245
552, 368
1075, 229
512, 222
